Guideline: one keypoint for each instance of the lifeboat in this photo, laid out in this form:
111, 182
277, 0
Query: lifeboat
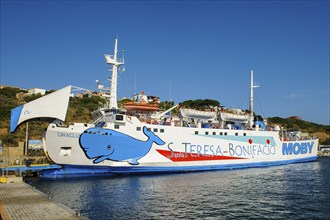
131, 106
193, 113
234, 115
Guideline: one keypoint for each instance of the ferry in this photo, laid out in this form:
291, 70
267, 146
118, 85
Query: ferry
138, 138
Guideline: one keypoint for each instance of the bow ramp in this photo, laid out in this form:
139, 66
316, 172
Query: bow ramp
49, 107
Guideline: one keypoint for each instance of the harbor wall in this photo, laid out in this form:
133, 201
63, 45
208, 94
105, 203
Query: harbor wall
11, 156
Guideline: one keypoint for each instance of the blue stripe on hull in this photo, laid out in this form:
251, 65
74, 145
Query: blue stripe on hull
82, 171
76, 171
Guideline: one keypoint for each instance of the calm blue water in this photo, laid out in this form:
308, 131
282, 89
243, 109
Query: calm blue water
296, 191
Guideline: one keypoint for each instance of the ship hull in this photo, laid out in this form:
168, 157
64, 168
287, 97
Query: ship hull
68, 171
165, 149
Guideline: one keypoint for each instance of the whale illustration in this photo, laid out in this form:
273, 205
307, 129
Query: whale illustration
106, 144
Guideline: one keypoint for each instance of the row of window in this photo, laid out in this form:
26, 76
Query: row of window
220, 133
149, 129
94, 132
196, 132
162, 131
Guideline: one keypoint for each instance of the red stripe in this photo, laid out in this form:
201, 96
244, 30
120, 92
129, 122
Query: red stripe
182, 156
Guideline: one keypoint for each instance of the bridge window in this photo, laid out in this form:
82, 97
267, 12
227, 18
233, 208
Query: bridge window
161, 130
116, 126
119, 117
155, 129
138, 128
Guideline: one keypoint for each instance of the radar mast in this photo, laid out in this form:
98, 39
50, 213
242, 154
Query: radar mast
112, 60
252, 86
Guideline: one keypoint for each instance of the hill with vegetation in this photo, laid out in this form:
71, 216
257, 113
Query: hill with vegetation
296, 124
80, 109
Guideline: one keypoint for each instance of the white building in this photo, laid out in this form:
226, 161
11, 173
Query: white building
35, 91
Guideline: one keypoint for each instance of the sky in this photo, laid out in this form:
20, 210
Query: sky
177, 50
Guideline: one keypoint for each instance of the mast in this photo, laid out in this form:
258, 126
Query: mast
112, 60
252, 86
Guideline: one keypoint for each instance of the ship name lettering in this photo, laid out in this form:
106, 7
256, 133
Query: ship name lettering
67, 135
195, 150
251, 150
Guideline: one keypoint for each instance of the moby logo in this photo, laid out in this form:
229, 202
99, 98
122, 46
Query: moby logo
102, 144
297, 148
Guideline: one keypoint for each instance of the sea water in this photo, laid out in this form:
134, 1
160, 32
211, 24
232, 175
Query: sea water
295, 191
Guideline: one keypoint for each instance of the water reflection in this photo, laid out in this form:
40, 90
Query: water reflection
294, 191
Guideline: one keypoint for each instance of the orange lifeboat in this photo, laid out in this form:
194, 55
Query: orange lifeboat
143, 106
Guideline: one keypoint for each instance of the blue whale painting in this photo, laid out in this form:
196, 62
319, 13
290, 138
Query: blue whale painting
106, 144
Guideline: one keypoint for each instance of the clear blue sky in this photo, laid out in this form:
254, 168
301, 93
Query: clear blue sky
177, 50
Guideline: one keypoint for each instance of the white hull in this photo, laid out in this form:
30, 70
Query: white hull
184, 149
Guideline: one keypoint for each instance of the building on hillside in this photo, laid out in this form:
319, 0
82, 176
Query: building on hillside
295, 117
146, 98
78, 95
97, 93
35, 91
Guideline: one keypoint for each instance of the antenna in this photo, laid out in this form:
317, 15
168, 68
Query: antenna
134, 84
170, 92
252, 86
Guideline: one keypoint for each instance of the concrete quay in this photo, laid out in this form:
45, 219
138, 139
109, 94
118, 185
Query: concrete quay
21, 201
